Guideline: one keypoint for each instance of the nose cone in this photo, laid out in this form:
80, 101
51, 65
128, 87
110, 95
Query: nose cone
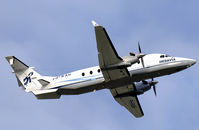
191, 62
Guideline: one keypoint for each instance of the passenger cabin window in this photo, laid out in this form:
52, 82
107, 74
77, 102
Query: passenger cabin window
98, 70
83, 74
91, 72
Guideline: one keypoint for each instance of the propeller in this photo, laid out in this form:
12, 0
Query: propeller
141, 55
154, 87
140, 51
153, 83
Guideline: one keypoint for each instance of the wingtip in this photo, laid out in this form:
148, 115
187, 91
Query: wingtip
95, 24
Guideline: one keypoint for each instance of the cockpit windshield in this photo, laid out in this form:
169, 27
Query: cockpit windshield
163, 56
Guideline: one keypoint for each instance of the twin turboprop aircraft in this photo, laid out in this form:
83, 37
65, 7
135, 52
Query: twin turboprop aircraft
125, 77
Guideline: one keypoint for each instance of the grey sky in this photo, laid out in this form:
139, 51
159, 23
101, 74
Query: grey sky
57, 37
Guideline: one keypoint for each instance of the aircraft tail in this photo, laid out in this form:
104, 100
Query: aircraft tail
29, 79
26, 76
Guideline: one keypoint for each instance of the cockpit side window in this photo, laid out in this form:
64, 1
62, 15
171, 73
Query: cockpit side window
161, 56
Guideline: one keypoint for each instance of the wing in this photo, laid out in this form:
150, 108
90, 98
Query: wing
113, 68
107, 56
129, 102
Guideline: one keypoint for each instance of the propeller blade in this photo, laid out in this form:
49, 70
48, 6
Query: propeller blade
140, 51
154, 89
142, 62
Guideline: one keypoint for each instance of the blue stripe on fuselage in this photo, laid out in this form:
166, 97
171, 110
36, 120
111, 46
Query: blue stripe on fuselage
78, 80
83, 78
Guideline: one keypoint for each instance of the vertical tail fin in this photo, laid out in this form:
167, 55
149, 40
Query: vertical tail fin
26, 76
32, 81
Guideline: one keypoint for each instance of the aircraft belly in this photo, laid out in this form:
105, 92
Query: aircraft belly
82, 87
156, 71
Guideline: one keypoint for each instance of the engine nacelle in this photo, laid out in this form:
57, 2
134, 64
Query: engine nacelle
143, 86
130, 59
127, 62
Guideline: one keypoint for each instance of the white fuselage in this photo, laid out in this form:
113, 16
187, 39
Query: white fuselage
91, 79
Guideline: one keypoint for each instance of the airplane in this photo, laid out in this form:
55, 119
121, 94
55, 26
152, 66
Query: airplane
126, 77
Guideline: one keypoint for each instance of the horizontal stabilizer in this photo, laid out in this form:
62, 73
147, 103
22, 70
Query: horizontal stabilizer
47, 94
43, 82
